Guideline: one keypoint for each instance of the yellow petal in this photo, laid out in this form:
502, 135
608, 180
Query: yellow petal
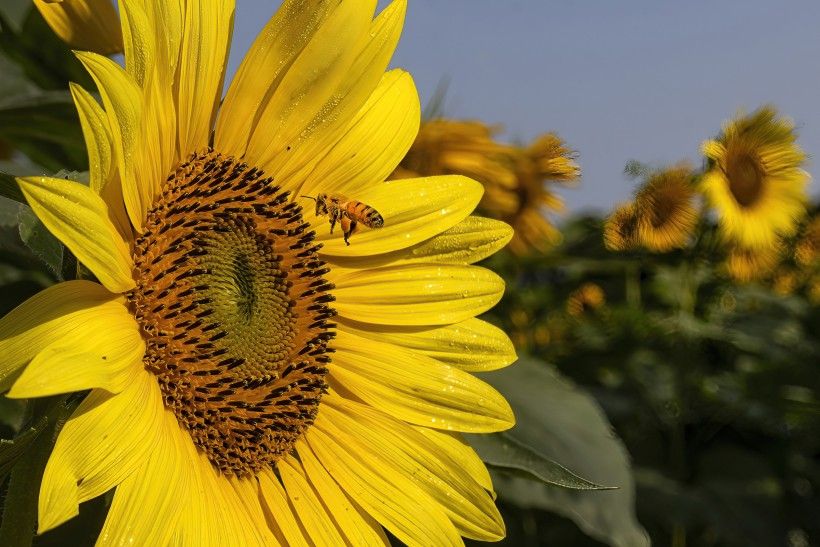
315, 519
460, 452
246, 493
281, 514
417, 294
60, 310
306, 91
268, 60
108, 359
374, 142
214, 514
107, 439
472, 345
105, 179
402, 451
413, 210
79, 218
713, 149
208, 27
146, 505
359, 83
358, 527
137, 41
122, 99
152, 31
417, 389
472, 239
394, 500
91, 25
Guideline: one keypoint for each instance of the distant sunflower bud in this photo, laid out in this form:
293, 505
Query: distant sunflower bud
88, 25
745, 265
586, 298
665, 208
620, 229
755, 180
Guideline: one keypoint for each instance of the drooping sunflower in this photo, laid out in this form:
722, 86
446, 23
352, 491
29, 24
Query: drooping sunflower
253, 379
755, 179
621, 228
547, 160
445, 147
666, 213
89, 25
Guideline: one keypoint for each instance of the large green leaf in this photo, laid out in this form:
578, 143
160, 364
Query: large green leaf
503, 452
42, 243
564, 424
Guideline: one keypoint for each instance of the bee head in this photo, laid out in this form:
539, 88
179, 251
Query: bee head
321, 205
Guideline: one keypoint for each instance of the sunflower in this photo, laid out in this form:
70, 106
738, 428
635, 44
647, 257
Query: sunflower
620, 228
444, 147
91, 25
525, 205
755, 181
666, 212
745, 265
588, 297
253, 380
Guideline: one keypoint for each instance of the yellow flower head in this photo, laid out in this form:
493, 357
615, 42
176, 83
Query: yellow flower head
755, 181
447, 147
807, 248
526, 204
586, 298
89, 25
665, 209
621, 228
745, 265
254, 379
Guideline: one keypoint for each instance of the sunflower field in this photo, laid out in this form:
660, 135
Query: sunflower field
289, 306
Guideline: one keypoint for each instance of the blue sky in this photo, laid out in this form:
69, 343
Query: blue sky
642, 79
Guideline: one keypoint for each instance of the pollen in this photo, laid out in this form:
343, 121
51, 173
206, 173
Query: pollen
235, 311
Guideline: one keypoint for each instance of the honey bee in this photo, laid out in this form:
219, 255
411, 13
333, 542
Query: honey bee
348, 212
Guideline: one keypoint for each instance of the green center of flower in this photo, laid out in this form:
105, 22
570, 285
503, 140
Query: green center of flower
745, 176
234, 310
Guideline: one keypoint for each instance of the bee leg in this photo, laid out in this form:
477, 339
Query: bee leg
333, 219
348, 226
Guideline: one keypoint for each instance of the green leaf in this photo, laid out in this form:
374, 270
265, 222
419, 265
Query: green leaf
504, 453
15, 12
20, 507
41, 242
564, 424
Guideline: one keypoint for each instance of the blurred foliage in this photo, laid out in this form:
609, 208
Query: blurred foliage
712, 385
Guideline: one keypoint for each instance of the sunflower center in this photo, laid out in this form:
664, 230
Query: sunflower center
234, 311
745, 175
